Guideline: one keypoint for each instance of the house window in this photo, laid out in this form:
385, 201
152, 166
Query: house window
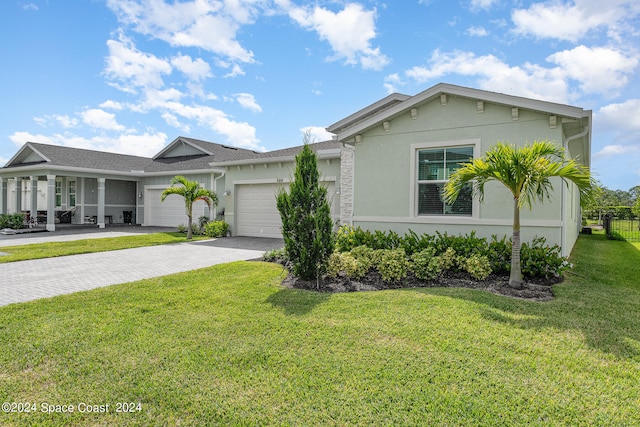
435, 166
58, 193
72, 193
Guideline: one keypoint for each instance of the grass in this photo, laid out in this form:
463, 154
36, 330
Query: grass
55, 249
227, 345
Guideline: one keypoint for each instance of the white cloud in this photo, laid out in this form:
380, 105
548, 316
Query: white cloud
573, 20
528, 80
482, 4
391, 82
317, 133
132, 69
616, 150
20, 138
63, 120
248, 101
172, 120
208, 25
597, 69
349, 32
100, 119
196, 69
240, 134
66, 121
112, 105
622, 122
477, 31
30, 7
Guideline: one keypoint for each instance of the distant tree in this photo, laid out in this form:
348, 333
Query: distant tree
306, 218
526, 172
191, 191
634, 194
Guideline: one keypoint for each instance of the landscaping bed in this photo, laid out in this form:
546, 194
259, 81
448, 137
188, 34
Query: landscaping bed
539, 289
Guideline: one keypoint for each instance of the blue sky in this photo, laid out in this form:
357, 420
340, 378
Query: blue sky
129, 76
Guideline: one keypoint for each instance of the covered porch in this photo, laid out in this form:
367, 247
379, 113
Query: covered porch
52, 201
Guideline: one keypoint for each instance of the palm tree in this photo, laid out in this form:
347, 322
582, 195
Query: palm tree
526, 172
192, 192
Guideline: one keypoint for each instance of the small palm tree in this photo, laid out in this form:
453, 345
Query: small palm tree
526, 172
192, 192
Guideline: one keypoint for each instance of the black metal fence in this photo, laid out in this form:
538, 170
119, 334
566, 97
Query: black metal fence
622, 229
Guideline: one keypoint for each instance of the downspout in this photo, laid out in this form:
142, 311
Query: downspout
563, 235
215, 188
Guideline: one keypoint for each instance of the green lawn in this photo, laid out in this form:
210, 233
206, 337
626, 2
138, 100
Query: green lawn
54, 249
227, 345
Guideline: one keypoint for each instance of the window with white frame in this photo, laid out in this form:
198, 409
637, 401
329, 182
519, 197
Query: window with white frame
72, 193
435, 166
58, 193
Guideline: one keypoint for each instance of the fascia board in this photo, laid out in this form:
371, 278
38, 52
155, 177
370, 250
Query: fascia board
21, 150
177, 141
26, 170
321, 154
481, 95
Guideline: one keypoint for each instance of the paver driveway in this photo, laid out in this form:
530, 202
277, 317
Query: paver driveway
28, 280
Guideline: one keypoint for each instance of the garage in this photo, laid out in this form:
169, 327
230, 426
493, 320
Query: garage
256, 211
171, 212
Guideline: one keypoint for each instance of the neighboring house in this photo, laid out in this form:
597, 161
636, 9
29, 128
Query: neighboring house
66, 184
400, 151
384, 171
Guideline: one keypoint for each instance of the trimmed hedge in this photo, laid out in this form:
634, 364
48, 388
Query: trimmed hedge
427, 256
14, 221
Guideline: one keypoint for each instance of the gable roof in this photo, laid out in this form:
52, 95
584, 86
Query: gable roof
181, 155
44, 156
370, 116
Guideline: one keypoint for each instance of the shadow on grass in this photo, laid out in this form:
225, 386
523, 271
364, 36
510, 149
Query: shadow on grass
600, 298
295, 302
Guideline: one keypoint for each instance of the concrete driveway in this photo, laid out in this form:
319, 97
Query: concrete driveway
29, 280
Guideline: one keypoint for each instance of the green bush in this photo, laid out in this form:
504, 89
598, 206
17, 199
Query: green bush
478, 266
499, 254
344, 263
393, 265
275, 255
539, 260
216, 228
14, 221
366, 256
449, 260
425, 265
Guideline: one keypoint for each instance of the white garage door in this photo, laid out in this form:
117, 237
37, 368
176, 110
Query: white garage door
256, 211
169, 213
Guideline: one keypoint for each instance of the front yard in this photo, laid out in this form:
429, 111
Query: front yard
229, 345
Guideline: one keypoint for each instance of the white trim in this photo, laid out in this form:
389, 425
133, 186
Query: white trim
457, 220
279, 180
360, 122
413, 187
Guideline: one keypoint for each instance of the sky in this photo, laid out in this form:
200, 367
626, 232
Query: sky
130, 76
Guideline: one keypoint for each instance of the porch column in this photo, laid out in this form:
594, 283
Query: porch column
18, 194
51, 202
34, 195
3, 196
101, 196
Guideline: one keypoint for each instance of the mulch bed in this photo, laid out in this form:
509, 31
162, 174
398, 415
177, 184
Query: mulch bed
539, 289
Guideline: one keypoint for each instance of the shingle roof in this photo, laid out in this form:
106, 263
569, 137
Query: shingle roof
67, 157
